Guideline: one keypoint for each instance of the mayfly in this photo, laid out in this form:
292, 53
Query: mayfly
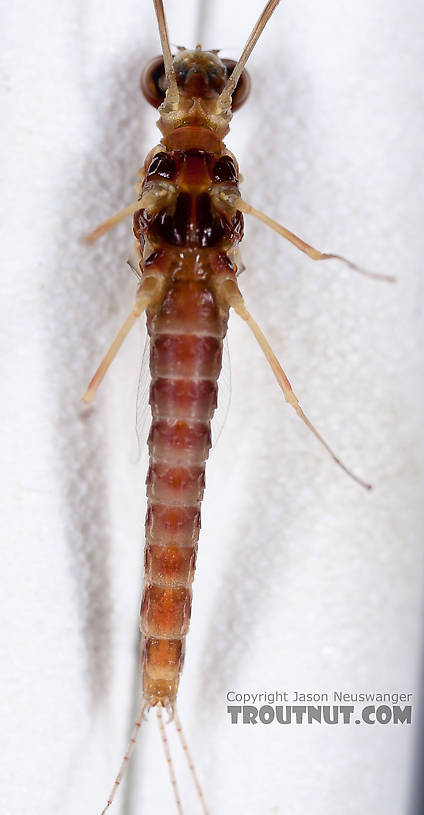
188, 222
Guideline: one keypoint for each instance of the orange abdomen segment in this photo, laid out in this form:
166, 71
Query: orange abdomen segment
176, 526
186, 355
162, 662
178, 442
169, 565
175, 485
165, 611
188, 308
183, 398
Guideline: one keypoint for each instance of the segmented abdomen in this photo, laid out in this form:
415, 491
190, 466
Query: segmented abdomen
185, 361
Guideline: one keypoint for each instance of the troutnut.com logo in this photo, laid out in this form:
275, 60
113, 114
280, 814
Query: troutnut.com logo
337, 707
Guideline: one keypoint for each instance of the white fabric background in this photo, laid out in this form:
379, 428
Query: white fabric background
304, 581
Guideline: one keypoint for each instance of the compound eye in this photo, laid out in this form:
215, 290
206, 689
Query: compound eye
153, 82
243, 85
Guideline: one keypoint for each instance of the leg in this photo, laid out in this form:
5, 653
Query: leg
111, 222
305, 247
233, 298
152, 200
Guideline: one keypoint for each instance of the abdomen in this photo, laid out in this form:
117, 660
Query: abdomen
186, 337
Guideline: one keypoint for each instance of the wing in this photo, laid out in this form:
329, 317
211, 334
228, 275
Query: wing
143, 412
224, 395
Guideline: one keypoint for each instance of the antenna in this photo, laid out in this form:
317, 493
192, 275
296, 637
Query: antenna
172, 95
224, 99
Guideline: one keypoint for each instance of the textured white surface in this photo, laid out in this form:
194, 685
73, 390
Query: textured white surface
304, 581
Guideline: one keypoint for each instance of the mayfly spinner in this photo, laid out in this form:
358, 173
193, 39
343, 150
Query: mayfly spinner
188, 222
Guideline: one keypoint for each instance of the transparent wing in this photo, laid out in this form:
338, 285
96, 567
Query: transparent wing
224, 395
143, 412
